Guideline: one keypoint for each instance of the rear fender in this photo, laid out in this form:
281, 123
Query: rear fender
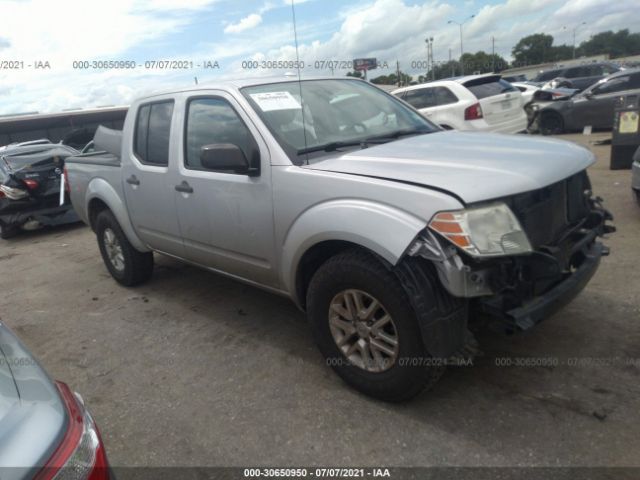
102, 190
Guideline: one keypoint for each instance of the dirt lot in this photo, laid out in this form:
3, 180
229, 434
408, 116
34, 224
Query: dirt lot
195, 369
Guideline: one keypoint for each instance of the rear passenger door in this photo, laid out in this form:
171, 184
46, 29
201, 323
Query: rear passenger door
226, 218
146, 178
443, 111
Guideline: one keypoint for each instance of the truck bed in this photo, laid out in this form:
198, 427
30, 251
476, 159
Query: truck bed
92, 167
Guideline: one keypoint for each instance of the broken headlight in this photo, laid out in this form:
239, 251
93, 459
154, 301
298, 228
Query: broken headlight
491, 230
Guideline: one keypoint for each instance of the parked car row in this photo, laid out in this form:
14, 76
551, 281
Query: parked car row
579, 77
490, 103
592, 107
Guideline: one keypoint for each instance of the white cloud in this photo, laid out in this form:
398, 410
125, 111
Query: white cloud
68, 30
248, 22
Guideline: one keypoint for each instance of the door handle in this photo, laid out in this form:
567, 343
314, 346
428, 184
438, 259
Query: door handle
184, 187
133, 180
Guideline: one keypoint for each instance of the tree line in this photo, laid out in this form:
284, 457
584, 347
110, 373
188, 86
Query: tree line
530, 50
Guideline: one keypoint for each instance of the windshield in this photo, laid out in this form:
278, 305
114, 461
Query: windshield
337, 114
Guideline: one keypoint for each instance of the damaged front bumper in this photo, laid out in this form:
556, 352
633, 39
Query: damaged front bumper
518, 292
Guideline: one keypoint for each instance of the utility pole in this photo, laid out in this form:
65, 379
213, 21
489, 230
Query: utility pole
461, 47
493, 54
429, 42
574, 36
398, 73
453, 73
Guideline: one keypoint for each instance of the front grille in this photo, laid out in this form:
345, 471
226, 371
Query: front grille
547, 213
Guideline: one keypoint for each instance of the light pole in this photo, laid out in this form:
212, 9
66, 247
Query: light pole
574, 36
429, 42
461, 47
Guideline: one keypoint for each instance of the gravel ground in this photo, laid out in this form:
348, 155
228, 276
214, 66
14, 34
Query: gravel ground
195, 369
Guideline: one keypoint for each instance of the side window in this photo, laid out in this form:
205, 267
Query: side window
614, 85
444, 96
414, 98
575, 72
609, 69
594, 71
420, 98
153, 127
211, 121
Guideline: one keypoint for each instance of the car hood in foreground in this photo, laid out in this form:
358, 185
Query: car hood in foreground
32, 416
472, 166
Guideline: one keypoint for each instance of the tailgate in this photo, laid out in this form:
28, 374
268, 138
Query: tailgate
500, 101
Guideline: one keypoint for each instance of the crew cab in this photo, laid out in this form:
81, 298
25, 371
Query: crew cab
388, 231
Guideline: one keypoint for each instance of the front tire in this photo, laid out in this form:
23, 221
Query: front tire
365, 327
126, 265
8, 231
551, 123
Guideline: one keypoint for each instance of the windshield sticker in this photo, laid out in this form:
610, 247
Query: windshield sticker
270, 101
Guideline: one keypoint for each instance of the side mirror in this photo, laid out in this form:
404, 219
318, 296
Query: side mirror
588, 95
224, 157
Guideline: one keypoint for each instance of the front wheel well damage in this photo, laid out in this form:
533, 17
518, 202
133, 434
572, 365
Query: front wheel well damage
313, 258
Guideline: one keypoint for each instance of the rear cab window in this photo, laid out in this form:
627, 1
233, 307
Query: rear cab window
152, 133
488, 87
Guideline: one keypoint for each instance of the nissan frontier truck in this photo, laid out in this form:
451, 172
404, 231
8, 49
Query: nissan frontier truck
390, 233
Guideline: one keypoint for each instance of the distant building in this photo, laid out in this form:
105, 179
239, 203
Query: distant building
75, 127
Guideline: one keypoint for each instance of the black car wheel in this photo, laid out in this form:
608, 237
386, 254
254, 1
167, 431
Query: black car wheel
8, 231
127, 265
367, 330
551, 123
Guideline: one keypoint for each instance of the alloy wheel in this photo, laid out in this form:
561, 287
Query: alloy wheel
113, 249
363, 330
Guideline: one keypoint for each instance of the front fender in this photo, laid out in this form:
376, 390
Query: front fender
385, 230
102, 190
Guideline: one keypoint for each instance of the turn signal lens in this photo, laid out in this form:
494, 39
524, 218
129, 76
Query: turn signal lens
492, 230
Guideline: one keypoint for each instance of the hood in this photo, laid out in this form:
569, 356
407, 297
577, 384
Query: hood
472, 166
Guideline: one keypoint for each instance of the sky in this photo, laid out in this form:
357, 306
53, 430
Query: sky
51, 52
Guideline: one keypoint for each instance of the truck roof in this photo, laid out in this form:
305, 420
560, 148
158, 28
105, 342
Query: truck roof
244, 82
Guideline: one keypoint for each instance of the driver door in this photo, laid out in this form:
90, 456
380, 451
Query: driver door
226, 219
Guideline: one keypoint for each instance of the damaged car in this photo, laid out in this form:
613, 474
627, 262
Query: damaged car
392, 234
593, 107
31, 187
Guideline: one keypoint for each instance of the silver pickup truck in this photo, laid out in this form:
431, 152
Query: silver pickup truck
389, 232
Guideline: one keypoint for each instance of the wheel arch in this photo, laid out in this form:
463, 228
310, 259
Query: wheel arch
102, 196
329, 228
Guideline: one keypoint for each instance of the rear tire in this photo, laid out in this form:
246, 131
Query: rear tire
8, 231
395, 378
551, 123
126, 265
